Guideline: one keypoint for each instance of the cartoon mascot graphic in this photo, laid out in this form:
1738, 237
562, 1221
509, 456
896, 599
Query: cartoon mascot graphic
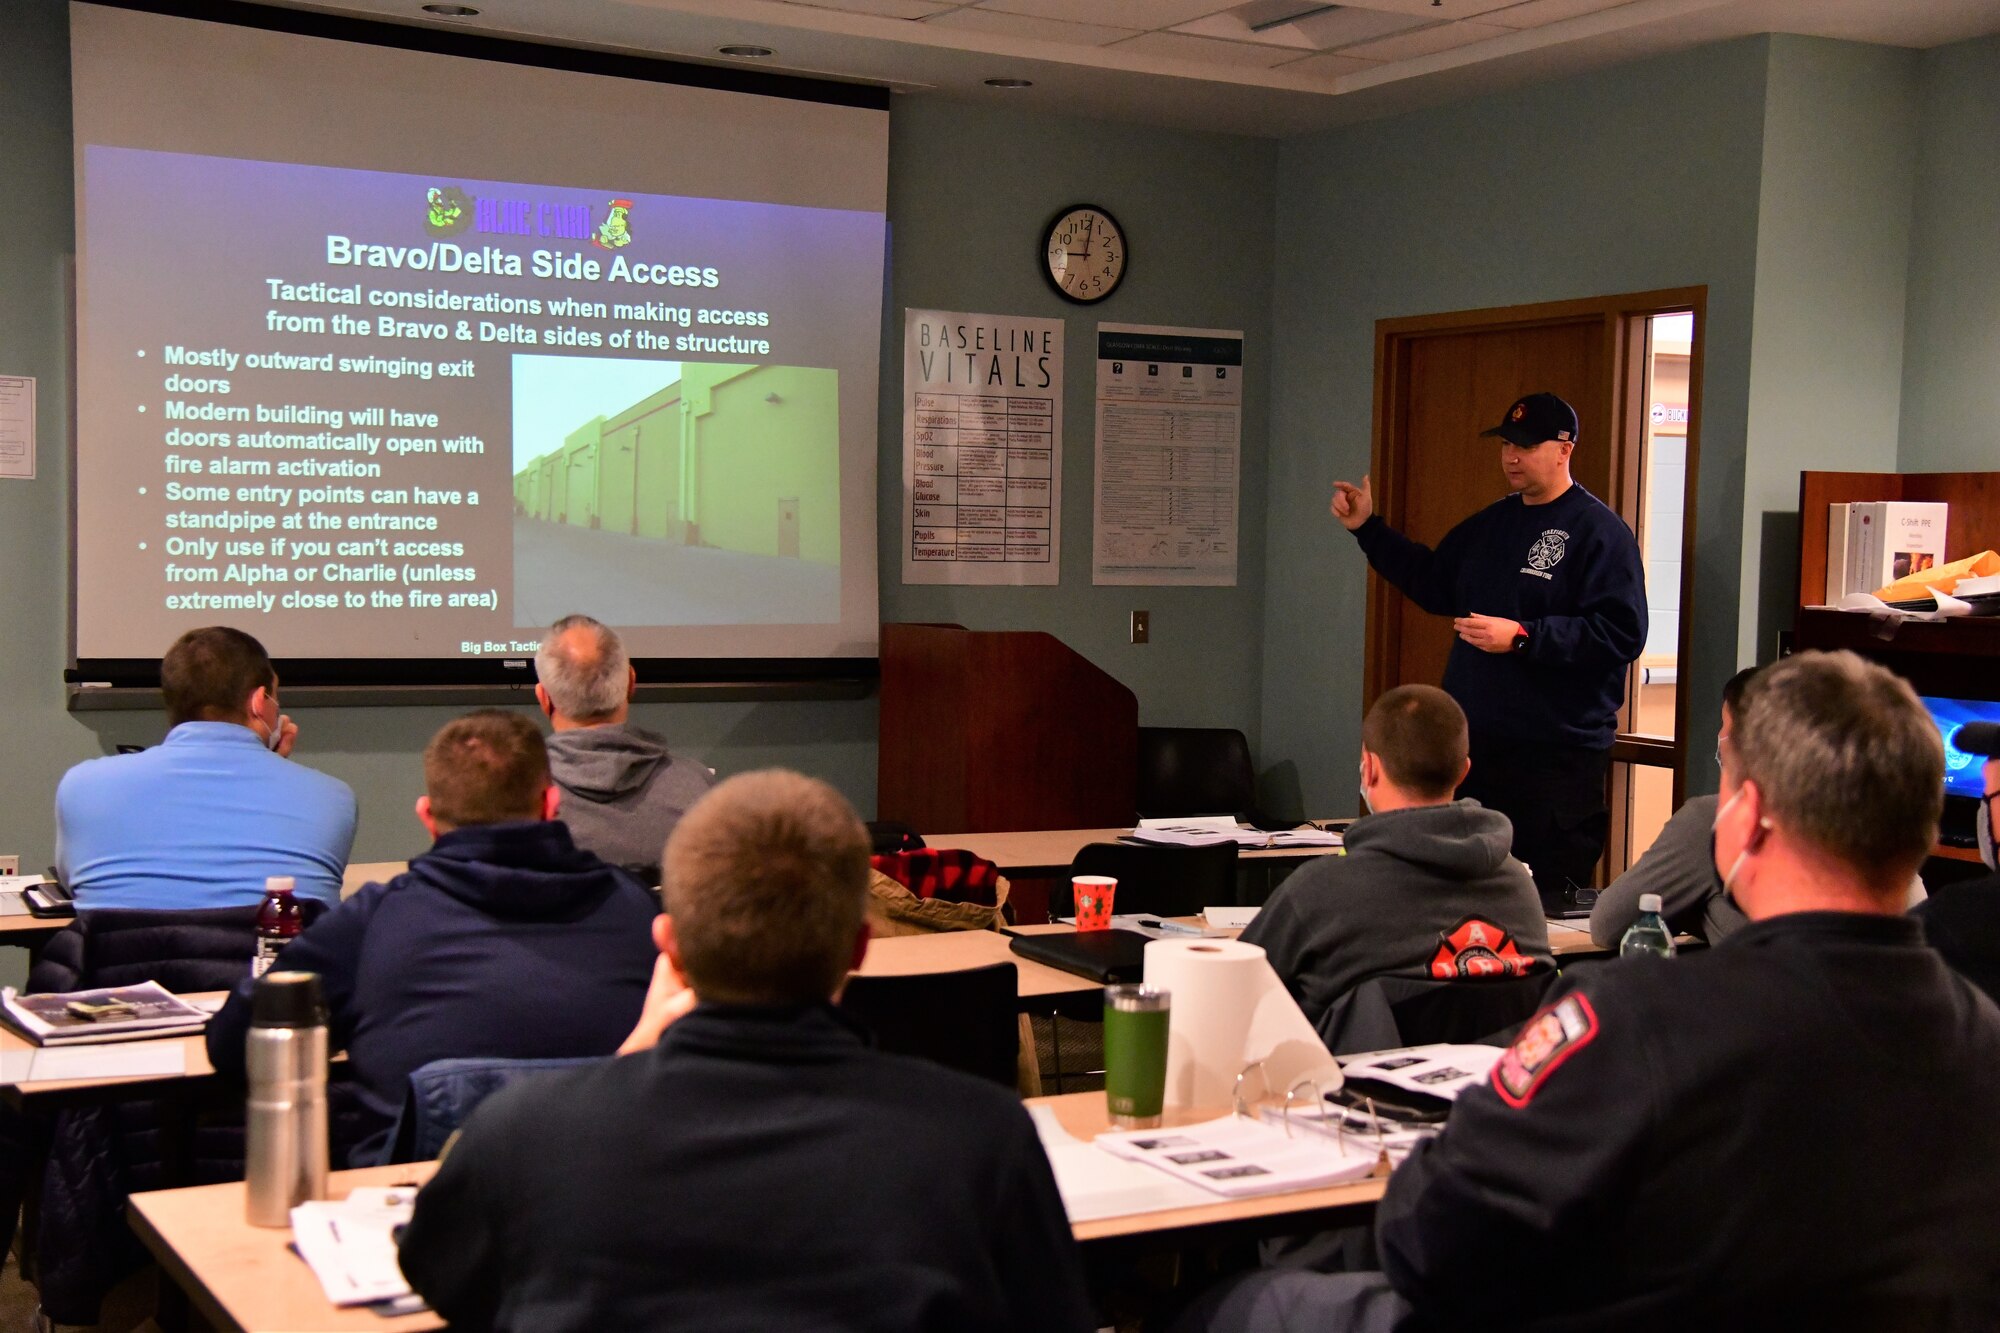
615, 233
450, 211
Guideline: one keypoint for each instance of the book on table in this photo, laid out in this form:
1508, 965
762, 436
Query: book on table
111, 1013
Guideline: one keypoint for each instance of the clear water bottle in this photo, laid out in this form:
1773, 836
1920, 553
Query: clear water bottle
1649, 934
279, 921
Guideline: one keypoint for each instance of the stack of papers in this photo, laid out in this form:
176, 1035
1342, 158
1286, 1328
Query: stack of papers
1229, 918
1152, 927
1215, 830
351, 1246
1435, 1071
1094, 1184
10, 893
113, 1013
1238, 1158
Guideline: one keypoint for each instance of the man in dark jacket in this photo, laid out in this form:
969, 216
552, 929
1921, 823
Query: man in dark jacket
1792, 1129
1426, 889
755, 1165
622, 792
502, 940
1962, 920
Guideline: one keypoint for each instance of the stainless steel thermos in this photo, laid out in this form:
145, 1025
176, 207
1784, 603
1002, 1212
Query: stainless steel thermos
285, 1157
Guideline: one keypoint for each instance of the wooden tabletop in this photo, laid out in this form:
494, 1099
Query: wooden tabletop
246, 1279
360, 873
956, 950
1564, 941
1050, 852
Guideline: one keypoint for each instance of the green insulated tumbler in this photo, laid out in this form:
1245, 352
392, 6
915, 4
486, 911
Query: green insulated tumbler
1135, 1054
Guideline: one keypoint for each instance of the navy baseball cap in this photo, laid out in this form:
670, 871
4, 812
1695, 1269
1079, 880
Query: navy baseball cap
1538, 417
1978, 738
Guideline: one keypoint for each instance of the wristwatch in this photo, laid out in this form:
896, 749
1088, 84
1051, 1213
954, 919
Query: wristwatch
1521, 640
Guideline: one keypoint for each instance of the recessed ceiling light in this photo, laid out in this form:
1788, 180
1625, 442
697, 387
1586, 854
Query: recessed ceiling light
1010, 83
452, 11
746, 52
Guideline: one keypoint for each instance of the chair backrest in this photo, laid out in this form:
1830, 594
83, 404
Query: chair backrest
1159, 881
1385, 1012
204, 950
1194, 771
443, 1093
964, 1019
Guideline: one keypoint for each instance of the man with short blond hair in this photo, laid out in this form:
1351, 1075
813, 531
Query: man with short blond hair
502, 940
754, 1163
622, 791
203, 818
1695, 1141
1427, 888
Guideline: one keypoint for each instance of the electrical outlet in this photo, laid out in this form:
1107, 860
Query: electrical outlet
10, 865
1142, 627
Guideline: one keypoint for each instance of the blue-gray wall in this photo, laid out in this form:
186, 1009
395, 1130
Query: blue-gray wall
1951, 367
1629, 179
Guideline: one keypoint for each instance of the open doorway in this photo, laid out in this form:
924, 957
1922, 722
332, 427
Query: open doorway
1622, 362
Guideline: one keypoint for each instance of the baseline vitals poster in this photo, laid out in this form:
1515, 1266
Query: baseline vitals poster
1169, 455
982, 448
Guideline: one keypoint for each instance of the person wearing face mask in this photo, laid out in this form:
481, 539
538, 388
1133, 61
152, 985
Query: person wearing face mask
1548, 597
201, 819
1962, 921
1426, 888
1790, 1130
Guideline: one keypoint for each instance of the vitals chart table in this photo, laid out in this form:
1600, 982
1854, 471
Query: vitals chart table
983, 484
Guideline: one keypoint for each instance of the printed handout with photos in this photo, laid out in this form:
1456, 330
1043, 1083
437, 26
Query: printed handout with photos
1169, 455
982, 448
1239, 1157
1438, 1071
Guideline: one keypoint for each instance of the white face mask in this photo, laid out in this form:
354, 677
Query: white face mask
1987, 852
276, 735
1729, 876
1361, 783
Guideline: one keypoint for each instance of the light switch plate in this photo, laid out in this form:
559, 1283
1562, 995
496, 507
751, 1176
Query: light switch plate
1142, 627
10, 865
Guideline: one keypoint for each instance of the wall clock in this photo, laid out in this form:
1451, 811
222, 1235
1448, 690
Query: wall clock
1083, 253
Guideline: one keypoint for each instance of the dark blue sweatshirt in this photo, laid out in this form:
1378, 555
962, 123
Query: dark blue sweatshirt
1569, 571
503, 940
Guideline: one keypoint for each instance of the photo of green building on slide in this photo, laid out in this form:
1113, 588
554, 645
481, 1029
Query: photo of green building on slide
675, 493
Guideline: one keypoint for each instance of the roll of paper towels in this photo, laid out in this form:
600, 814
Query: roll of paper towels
1230, 1011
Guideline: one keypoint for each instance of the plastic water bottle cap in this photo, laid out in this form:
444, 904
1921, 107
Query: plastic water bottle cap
1649, 902
280, 884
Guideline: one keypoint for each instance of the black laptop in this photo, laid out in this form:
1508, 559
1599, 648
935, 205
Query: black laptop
1110, 956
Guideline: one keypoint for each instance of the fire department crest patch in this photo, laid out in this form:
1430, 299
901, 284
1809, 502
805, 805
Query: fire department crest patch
1476, 948
1550, 1038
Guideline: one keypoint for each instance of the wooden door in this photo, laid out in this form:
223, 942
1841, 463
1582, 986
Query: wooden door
1452, 385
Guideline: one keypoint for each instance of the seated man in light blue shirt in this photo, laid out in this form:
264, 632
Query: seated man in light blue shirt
203, 818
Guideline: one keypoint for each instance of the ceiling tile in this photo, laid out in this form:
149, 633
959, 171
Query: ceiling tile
1347, 25
891, 9
1536, 13
1326, 68
1033, 29
1426, 41
1141, 14
1208, 51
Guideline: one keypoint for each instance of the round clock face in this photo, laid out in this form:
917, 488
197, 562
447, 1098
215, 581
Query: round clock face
1083, 253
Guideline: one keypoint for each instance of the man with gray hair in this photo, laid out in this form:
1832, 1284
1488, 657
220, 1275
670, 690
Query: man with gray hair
1792, 1129
622, 791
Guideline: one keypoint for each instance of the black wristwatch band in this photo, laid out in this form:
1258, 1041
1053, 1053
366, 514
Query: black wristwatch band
1520, 641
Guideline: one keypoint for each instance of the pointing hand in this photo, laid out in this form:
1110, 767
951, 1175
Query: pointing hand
1353, 505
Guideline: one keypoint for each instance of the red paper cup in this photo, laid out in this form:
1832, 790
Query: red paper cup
1093, 894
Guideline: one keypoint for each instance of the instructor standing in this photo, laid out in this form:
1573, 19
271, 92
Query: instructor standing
1547, 592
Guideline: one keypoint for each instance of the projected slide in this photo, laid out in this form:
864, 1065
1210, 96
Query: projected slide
374, 413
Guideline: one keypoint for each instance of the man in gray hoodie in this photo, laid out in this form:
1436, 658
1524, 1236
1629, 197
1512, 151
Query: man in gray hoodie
622, 792
1426, 888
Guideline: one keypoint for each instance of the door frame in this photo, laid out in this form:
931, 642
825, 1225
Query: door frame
1624, 332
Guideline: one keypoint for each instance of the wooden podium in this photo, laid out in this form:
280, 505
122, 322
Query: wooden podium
1001, 732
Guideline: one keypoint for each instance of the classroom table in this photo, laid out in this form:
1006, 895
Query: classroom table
957, 950
1050, 852
245, 1279
1565, 940
194, 1065
361, 873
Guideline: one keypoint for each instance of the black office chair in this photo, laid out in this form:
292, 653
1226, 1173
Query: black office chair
1194, 771
1155, 881
1386, 1012
964, 1020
